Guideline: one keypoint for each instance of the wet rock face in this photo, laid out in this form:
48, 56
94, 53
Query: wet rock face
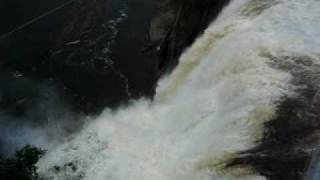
92, 48
64, 46
80, 58
98, 59
178, 24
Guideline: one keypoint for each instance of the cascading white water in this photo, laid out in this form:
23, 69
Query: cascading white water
212, 106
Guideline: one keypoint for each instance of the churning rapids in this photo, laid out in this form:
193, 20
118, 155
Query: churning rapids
210, 108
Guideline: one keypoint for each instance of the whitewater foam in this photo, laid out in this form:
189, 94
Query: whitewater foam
210, 108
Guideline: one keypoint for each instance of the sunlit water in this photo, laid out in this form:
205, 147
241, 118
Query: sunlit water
212, 106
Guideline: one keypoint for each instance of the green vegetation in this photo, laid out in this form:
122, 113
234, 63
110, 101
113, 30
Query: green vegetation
21, 166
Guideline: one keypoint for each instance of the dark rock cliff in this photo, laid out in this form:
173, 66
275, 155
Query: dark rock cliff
178, 24
28, 52
95, 58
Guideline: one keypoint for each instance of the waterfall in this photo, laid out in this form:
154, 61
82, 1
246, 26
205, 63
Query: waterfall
210, 108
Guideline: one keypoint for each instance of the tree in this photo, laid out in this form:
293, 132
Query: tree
22, 166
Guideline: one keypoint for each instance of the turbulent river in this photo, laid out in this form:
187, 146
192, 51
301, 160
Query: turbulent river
211, 107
